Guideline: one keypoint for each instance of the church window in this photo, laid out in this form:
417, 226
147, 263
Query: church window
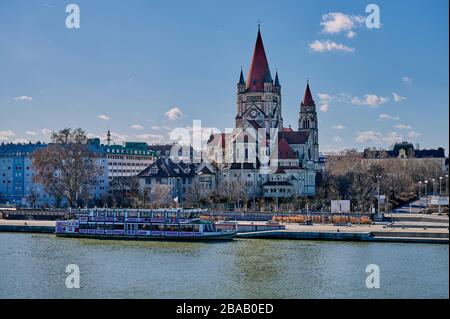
305, 123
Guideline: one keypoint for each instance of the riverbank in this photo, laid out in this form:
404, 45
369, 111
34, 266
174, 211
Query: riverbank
424, 232
27, 226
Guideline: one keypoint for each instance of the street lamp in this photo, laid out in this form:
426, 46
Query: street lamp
434, 186
419, 184
426, 194
446, 184
440, 185
378, 201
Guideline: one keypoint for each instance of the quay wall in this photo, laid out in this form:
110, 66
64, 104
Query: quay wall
27, 229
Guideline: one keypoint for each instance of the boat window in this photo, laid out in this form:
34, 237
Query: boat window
171, 227
157, 227
187, 228
158, 215
145, 214
196, 228
132, 214
144, 227
118, 226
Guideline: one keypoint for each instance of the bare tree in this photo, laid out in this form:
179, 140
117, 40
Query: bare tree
160, 196
67, 167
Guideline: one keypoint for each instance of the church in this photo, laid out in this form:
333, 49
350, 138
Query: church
268, 159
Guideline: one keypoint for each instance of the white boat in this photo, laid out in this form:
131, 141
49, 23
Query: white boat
130, 224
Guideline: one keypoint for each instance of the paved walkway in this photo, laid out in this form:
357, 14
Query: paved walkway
8, 222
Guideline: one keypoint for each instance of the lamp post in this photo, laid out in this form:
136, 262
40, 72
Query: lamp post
446, 184
440, 185
419, 184
434, 186
426, 194
378, 199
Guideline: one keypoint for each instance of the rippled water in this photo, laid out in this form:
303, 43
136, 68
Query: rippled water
33, 266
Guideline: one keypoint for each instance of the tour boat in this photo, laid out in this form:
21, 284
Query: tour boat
160, 224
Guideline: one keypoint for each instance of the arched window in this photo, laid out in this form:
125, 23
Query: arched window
305, 123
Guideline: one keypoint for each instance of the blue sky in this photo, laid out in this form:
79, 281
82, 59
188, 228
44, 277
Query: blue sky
132, 62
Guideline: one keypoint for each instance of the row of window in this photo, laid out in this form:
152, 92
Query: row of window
128, 164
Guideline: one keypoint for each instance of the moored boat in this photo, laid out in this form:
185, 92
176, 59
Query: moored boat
129, 224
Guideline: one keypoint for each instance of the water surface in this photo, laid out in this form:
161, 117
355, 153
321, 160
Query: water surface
33, 266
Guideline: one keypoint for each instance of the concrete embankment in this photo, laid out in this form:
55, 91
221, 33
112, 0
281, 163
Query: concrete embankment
366, 233
18, 226
406, 237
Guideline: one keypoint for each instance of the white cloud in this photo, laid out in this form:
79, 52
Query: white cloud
413, 135
339, 127
403, 126
46, 131
174, 113
23, 98
116, 138
378, 138
337, 139
32, 133
371, 100
151, 138
324, 108
407, 80
368, 136
328, 46
103, 117
351, 34
20, 141
324, 101
325, 97
137, 127
337, 22
155, 128
398, 97
389, 117
6, 135
392, 138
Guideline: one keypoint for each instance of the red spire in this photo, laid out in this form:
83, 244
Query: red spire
259, 71
308, 99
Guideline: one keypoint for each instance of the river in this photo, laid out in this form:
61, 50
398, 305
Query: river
33, 266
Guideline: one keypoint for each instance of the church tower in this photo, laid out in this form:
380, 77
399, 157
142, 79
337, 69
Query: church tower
307, 122
259, 97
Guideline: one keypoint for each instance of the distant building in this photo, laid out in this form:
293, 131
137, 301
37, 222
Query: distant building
407, 151
161, 150
16, 176
128, 159
259, 108
177, 176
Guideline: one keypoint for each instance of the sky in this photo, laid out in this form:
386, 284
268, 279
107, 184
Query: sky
143, 67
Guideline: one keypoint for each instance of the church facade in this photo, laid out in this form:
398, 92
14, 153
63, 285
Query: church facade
262, 155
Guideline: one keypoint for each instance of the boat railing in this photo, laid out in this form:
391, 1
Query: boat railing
131, 214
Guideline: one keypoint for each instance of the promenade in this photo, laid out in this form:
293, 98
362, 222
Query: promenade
433, 230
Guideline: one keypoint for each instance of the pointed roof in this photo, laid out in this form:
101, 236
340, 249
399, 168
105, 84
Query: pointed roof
277, 80
285, 151
259, 71
241, 78
308, 99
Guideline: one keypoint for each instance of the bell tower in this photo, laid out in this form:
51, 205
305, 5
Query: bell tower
307, 122
259, 96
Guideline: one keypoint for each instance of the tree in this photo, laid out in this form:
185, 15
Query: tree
66, 168
160, 196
